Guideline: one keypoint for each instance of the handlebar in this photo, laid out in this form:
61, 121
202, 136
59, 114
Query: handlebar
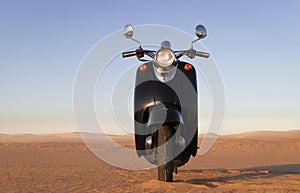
128, 54
191, 53
139, 53
202, 54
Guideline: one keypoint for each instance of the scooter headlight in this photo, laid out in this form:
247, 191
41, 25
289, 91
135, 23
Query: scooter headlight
164, 57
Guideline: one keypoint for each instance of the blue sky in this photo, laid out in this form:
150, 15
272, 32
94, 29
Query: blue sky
255, 43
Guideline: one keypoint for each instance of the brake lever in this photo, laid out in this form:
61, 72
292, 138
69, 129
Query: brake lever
191, 53
150, 53
179, 55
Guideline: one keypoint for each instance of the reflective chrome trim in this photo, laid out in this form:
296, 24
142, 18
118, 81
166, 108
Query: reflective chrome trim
164, 57
148, 142
164, 74
148, 145
181, 142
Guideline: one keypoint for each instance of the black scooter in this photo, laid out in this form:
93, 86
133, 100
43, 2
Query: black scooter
166, 105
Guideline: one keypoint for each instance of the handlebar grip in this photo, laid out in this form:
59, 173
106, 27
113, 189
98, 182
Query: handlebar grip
128, 54
202, 54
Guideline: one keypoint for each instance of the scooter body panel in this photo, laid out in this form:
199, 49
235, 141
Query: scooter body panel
149, 92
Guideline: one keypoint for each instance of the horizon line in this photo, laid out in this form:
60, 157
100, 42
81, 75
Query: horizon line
114, 134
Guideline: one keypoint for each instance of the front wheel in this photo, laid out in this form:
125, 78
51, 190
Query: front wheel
165, 171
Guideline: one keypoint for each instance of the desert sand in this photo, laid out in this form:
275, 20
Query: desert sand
248, 162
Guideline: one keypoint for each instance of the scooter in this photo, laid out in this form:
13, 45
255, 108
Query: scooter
165, 104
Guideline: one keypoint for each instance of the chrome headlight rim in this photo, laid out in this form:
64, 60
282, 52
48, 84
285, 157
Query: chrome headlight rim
164, 58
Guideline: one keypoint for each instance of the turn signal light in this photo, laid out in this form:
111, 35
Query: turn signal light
143, 67
188, 67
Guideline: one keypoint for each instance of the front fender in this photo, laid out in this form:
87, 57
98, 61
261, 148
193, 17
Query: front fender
164, 115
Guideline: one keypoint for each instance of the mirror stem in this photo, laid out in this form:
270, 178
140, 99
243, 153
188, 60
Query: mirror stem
136, 41
192, 43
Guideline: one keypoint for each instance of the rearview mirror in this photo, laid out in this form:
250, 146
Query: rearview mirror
128, 31
201, 31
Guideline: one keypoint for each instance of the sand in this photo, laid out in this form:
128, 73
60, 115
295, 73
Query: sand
248, 162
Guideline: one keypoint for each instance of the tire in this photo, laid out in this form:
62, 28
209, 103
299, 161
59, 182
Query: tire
165, 171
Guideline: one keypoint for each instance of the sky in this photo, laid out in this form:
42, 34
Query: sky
255, 43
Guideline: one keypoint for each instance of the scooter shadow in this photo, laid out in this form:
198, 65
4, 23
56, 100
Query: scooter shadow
228, 175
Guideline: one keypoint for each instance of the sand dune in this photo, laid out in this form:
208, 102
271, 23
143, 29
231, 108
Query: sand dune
255, 162
293, 135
